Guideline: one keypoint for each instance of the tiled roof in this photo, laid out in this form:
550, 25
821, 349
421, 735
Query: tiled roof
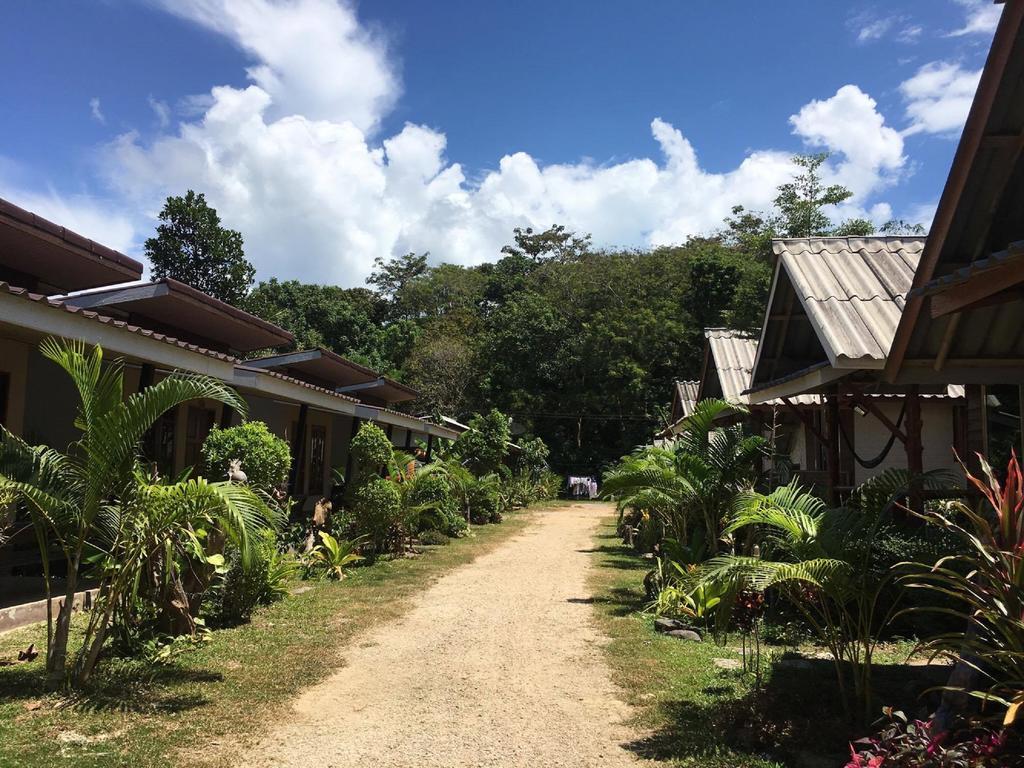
12, 211
853, 290
109, 321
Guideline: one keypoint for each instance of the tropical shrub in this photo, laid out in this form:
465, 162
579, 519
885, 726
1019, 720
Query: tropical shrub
332, 557
485, 501
533, 458
266, 458
371, 451
483, 447
376, 513
233, 598
808, 554
905, 743
691, 485
440, 510
986, 584
433, 537
92, 493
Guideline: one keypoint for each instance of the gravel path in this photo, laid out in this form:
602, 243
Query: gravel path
498, 664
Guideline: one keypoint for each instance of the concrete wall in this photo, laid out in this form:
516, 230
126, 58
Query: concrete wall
936, 436
14, 362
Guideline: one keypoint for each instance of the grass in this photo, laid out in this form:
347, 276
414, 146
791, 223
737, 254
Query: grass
694, 713
210, 698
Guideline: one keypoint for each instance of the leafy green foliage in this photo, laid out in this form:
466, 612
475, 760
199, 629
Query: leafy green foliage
70, 495
233, 597
484, 446
376, 508
434, 538
371, 450
265, 457
332, 557
192, 246
986, 583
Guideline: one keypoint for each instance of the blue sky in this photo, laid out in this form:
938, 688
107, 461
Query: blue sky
331, 133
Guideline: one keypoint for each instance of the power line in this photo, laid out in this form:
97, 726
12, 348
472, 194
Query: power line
588, 416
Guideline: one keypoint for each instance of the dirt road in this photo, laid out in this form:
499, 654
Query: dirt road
498, 664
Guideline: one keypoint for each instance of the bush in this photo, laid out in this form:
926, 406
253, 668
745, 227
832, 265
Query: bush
266, 458
443, 513
433, 538
903, 743
376, 512
484, 504
371, 449
233, 598
484, 446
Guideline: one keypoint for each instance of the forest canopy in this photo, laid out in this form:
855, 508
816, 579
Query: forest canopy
578, 344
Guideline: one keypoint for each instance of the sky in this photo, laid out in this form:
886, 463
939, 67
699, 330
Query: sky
331, 133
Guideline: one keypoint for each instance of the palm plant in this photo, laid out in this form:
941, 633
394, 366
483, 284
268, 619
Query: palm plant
820, 559
159, 545
70, 495
333, 556
693, 482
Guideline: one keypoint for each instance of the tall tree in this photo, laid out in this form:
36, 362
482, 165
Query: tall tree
192, 246
802, 201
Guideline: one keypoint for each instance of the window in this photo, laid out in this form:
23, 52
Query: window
200, 422
317, 446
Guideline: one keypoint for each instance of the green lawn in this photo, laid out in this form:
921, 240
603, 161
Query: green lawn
213, 695
694, 713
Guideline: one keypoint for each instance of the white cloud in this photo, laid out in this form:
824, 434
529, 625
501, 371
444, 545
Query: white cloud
313, 57
292, 162
982, 18
96, 111
938, 97
162, 110
99, 220
870, 27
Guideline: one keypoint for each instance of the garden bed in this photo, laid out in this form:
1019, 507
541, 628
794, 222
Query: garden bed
698, 709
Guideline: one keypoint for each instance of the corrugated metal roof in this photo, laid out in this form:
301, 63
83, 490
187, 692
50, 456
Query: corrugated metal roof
853, 290
686, 394
733, 353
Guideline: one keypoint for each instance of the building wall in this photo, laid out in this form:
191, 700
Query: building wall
936, 437
14, 363
51, 404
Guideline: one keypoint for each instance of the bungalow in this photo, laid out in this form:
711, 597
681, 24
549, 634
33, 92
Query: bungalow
964, 318
832, 314
684, 398
54, 282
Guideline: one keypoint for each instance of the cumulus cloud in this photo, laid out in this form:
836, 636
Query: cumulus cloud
314, 57
938, 97
982, 18
293, 160
96, 111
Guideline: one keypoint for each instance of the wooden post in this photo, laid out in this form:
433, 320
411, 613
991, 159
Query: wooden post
146, 372
298, 448
430, 446
356, 423
915, 447
832, 447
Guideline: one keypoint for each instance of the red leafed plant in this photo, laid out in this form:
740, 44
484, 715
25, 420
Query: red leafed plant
986, 585
904, 743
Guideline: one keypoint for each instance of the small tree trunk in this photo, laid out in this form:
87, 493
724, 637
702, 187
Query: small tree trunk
57, 657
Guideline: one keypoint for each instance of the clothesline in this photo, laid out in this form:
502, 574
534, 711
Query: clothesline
582, 487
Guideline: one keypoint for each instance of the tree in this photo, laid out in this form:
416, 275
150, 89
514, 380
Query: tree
390, 277
553, 243
801, 202
71, 495
193, 247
